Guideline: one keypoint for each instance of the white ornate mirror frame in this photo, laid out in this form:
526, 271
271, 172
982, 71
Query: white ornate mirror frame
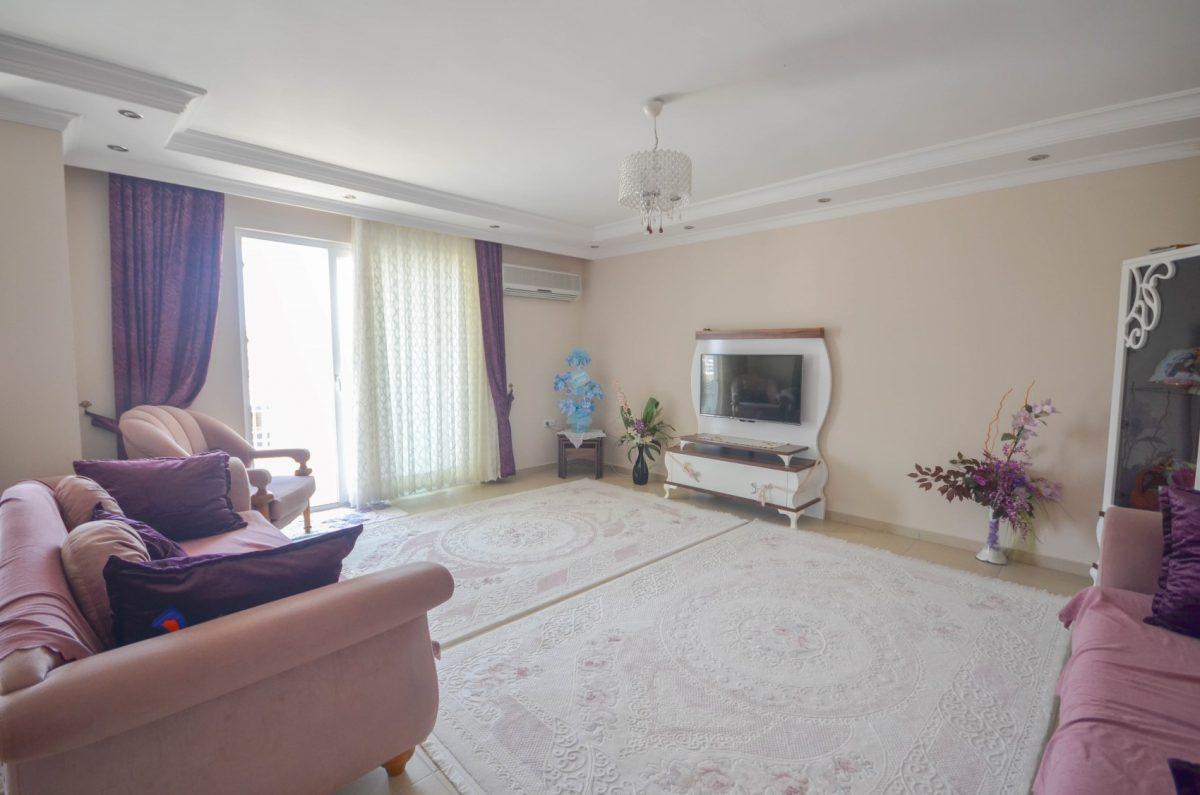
1139, 312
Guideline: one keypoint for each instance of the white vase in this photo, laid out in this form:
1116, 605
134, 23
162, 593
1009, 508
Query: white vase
994, 555
991, 552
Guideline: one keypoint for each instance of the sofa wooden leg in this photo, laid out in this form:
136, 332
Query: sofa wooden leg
395, 766
308, 518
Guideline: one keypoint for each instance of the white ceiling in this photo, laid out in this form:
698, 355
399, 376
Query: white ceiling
467, 114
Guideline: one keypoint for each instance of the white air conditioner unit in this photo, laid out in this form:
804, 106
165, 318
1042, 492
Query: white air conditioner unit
541, 283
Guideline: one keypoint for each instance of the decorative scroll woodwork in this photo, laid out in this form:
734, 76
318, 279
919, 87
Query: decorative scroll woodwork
1146, 307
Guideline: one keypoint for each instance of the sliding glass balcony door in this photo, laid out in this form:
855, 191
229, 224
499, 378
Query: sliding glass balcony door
297, 299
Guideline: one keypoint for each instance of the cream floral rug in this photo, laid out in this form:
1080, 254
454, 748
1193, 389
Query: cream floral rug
762, 661
512, 555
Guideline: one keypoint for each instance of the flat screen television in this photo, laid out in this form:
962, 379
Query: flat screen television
751, 386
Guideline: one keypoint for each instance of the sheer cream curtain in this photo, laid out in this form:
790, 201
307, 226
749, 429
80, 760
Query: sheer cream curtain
425, 418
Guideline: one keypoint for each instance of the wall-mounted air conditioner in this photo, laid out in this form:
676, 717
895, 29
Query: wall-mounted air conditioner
540, 283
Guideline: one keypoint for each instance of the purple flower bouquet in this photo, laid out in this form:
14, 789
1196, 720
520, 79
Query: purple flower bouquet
1001, 482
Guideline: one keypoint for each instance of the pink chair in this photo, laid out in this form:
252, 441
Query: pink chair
166, 431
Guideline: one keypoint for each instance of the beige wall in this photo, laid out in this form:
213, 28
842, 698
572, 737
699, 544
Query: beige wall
39, 433
91, 290
932, 312
539, 333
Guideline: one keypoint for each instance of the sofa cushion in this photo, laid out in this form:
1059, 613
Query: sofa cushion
1129, 697
181, 498
77, 498
258, 534
1176, 604
37, 608
84, 555
292, 493
156, 597
158, 546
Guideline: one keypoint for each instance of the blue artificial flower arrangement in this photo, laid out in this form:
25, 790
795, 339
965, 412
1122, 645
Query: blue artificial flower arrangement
581, 391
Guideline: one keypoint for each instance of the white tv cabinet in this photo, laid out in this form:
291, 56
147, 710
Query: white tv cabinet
773, 464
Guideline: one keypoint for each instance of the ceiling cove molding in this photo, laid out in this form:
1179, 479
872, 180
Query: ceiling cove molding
38, 61
1177, 150
228, 150
194, 179
35, 115
1148, 112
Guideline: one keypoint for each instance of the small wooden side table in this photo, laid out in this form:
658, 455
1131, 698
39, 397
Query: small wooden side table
593, 448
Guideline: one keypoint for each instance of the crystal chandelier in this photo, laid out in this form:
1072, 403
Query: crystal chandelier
658, 182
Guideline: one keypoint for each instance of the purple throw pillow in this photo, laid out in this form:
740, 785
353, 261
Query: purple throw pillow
1186, 776
1164, 508
181, 498
1176, 604
149, 599
157, 544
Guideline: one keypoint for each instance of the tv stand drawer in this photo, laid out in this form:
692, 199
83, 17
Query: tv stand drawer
776, 486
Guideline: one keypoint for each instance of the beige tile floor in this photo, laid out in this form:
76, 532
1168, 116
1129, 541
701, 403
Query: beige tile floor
423, 776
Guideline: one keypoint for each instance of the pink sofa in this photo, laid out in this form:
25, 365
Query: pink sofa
1130, 692
301, 695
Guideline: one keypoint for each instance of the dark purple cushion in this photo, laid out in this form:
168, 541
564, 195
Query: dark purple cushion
1186, 776
157, 544
181, 498
1164, 508
1176, 604
161, 596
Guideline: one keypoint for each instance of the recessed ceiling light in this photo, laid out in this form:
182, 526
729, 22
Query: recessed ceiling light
824, 200
1036, 158
129, 114
594, 245
350, 196
493, 226
117, 148
689, 226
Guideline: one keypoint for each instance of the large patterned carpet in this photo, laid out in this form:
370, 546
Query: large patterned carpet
515, 554
760, 661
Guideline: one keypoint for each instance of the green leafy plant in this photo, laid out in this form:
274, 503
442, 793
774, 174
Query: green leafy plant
649, 432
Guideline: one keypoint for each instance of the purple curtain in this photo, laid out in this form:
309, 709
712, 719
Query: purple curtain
165, 242
489, 264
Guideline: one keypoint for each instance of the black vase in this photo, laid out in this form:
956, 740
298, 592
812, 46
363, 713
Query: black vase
641, 472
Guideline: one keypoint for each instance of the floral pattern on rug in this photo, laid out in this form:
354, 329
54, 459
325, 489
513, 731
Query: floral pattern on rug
513, 554
761, 661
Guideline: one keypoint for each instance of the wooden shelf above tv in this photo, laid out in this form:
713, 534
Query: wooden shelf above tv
761, 334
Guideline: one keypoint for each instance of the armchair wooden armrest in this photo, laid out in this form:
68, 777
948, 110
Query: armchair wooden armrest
297, 454
260, 499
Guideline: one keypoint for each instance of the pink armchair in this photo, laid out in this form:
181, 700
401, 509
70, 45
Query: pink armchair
157, 431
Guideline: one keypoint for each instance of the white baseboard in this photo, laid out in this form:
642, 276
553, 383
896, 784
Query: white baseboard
945, 539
